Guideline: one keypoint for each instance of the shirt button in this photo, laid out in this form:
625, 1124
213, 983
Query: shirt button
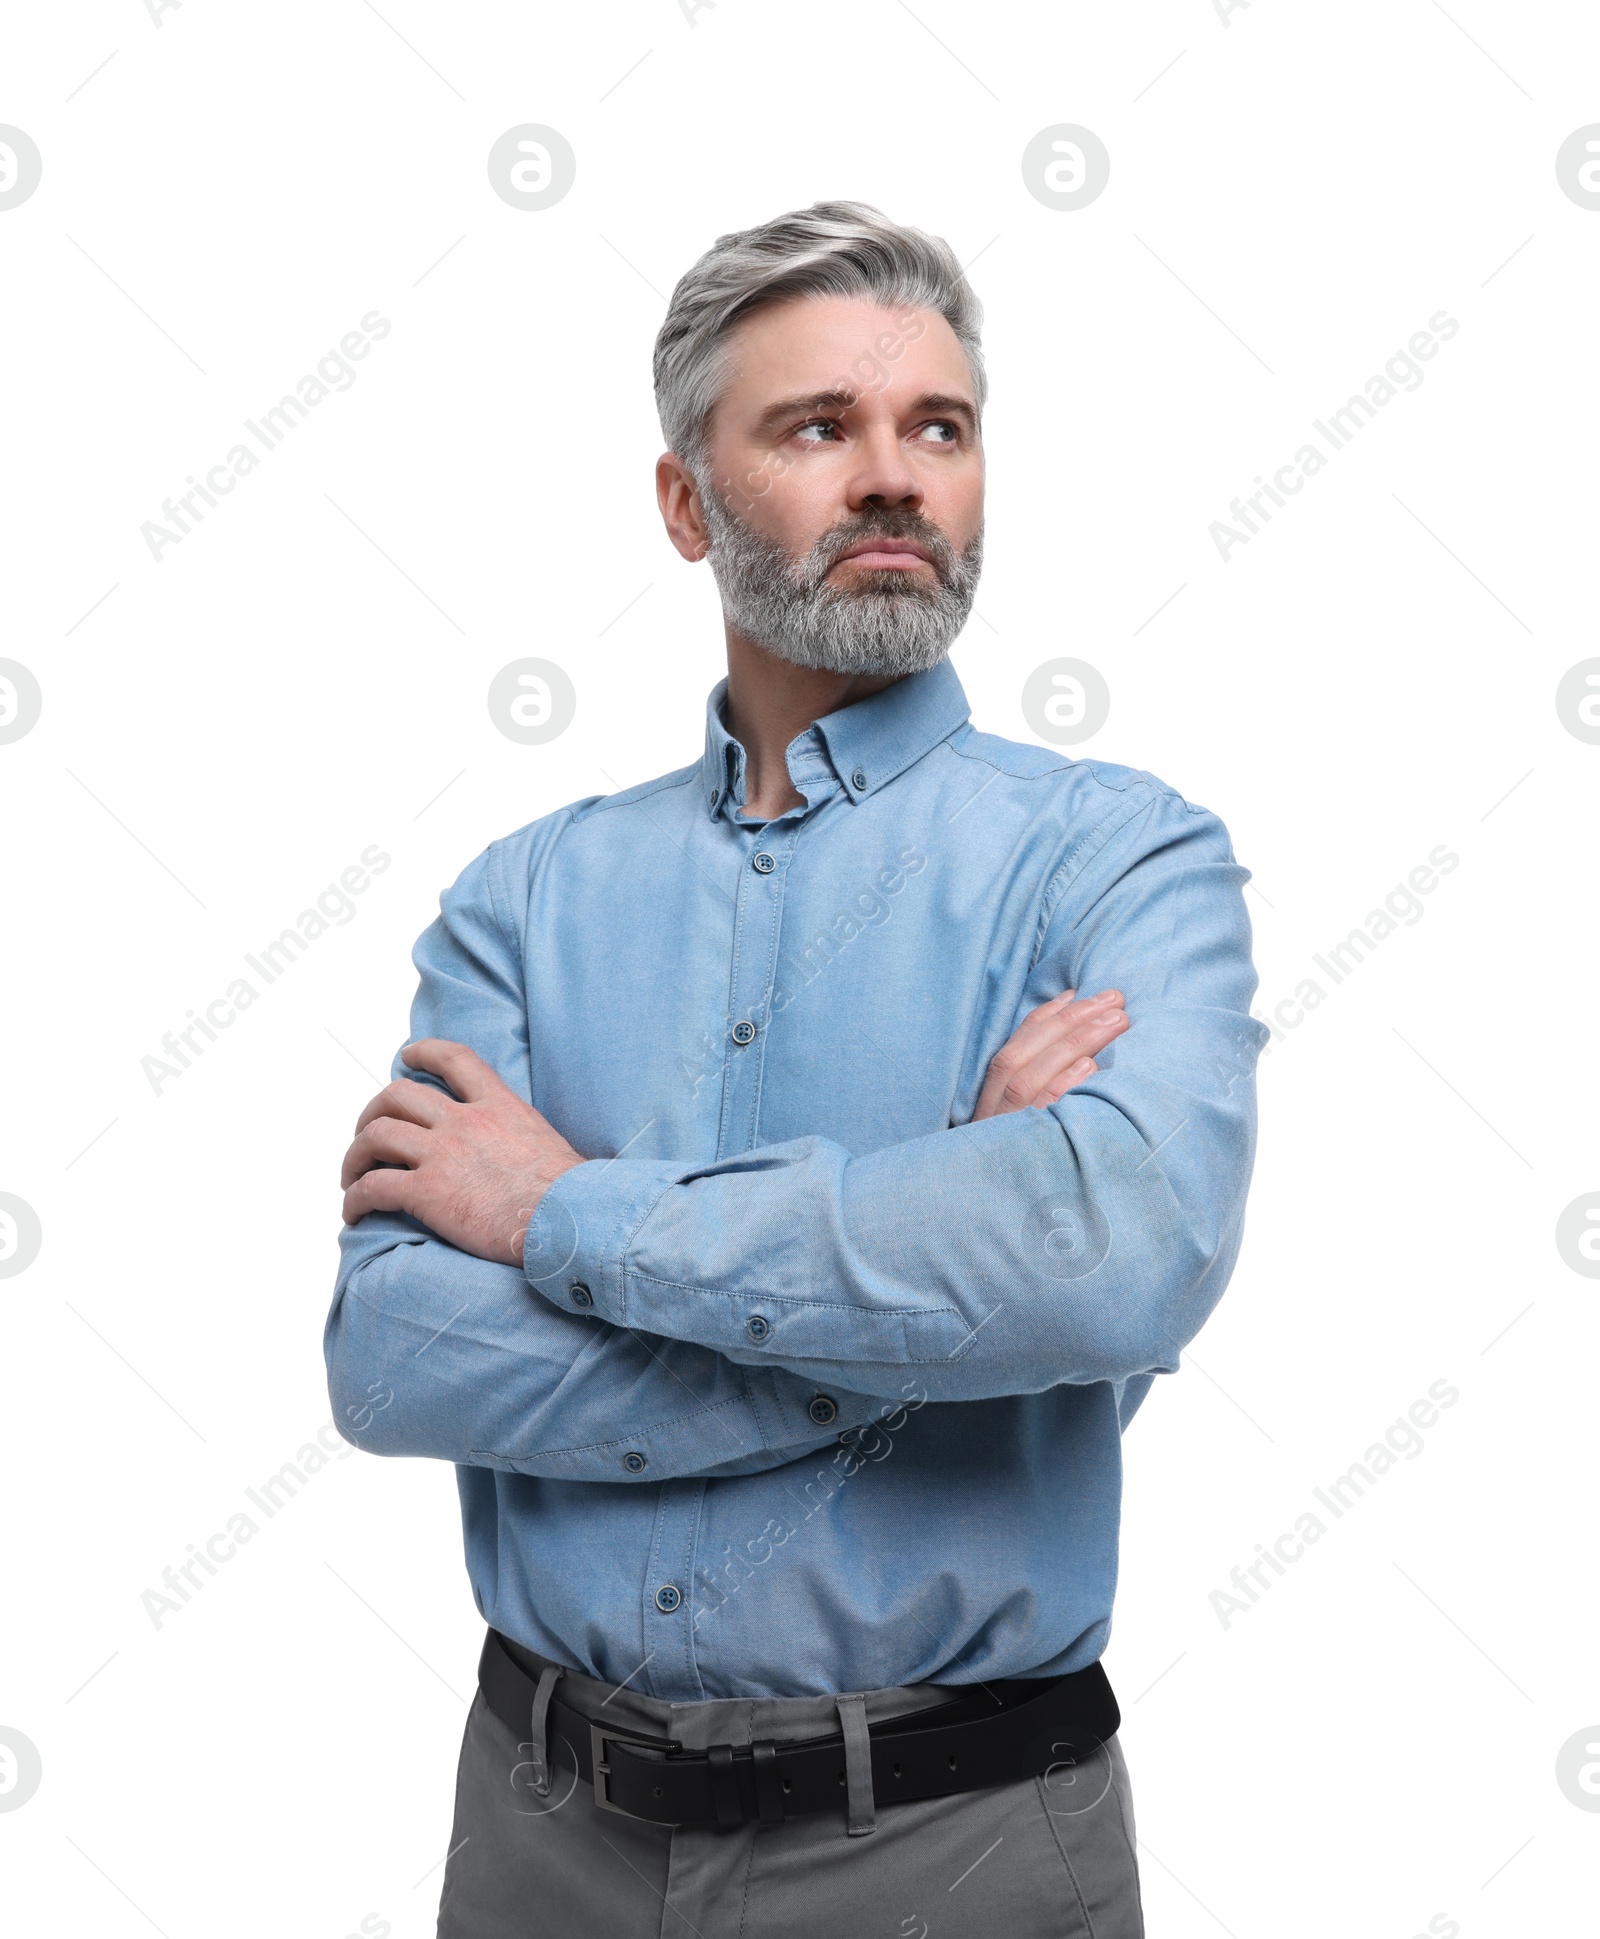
635, 1463
668, 1598
823, 1411
581, 1296
715, 798
757, 1327
762, 862
743, 1033
858, 779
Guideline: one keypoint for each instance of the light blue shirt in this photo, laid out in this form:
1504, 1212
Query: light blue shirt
808, 1384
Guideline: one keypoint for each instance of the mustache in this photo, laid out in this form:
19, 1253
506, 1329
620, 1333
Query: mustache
887, 522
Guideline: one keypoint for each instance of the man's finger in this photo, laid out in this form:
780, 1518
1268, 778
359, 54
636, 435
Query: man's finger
386, 1141
423, 1104
1044, 1024
461, 1068
381, 1191
1036, 1034
1056, 1088
1046, 1070
1036, 1052
1090, 1025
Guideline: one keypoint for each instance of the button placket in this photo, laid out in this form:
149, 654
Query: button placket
670, 1669
757, 923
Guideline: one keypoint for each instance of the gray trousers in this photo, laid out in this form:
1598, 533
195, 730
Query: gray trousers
1047, 1856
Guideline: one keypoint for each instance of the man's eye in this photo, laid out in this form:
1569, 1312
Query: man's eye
947, 431
821, 424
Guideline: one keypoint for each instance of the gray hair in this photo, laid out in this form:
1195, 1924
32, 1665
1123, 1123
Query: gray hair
830, 249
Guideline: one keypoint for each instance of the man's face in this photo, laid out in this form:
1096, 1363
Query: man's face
843, 486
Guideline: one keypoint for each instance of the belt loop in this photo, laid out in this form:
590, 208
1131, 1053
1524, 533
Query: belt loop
769, 1791
538, 1750
862, 1810
725, 1797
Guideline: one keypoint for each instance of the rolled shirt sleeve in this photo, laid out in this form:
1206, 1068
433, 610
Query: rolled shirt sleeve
1087, 1241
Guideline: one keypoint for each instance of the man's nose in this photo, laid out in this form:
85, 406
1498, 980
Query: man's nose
882, 476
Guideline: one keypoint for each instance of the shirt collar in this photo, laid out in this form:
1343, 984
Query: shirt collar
869, 742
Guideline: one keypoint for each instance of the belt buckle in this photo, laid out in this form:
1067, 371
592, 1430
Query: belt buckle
599, 1737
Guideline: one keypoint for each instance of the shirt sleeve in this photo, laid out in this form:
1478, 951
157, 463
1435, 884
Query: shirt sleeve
431, 1351
1087, 1241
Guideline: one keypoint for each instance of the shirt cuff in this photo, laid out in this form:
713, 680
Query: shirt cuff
574, 1251
576, 1242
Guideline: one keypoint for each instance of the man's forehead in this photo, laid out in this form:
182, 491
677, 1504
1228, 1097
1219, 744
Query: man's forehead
848, 345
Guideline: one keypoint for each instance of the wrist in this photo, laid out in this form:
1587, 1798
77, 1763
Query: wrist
529, 1200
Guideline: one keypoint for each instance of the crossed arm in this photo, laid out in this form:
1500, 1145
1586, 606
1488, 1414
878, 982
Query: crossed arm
438, 1345
1078, 1229
474, 1166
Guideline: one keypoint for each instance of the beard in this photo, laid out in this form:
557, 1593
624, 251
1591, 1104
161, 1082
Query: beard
890, 621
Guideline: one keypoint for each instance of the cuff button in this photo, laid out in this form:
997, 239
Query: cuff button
823, 1411
581, 1296
757, 1327
635, 1463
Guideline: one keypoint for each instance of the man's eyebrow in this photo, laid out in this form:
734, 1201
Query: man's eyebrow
945, 404
837, 399
841, 398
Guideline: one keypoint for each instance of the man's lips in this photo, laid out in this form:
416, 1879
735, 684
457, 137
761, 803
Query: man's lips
886, 555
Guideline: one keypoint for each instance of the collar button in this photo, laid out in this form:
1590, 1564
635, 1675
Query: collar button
858, 780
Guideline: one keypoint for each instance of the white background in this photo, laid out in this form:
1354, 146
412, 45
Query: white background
1374, 1742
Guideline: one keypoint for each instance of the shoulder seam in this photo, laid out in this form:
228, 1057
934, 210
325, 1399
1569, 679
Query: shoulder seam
497, 867
1073, 863
625, 797
1143, 780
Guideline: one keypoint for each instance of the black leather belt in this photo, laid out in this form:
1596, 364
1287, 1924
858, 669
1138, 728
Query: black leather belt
988, 1734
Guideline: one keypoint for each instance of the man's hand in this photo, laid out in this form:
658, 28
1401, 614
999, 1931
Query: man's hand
476, 1164
1053, 1048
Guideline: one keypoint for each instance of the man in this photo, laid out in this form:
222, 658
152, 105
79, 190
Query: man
764, 1223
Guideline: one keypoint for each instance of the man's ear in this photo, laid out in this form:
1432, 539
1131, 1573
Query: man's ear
681, 510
